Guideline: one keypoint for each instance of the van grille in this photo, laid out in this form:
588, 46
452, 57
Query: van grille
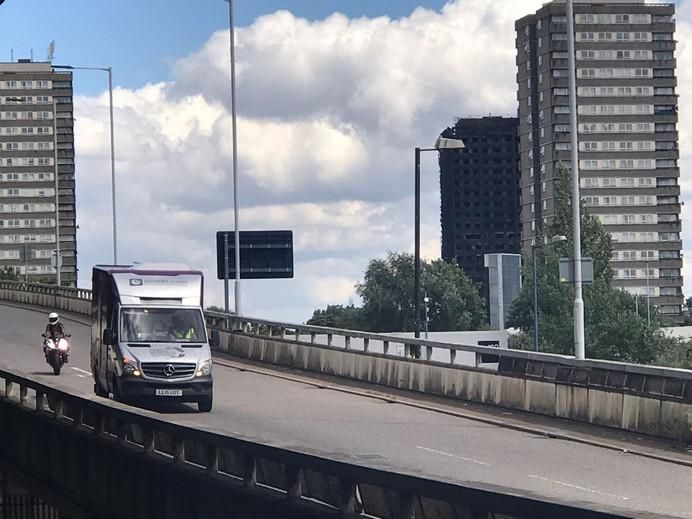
168, 370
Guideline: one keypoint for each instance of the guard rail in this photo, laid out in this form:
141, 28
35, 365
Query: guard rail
33, 411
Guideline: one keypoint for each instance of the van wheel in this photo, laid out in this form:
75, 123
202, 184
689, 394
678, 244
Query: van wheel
98, 390
205, 404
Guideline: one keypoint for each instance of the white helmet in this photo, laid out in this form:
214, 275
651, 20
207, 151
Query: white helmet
53, 318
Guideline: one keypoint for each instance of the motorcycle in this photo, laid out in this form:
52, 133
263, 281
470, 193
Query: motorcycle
57, 352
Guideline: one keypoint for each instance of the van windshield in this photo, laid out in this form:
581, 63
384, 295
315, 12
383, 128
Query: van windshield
162, 325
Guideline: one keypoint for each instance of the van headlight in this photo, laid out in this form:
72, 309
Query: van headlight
131, 367
204, 368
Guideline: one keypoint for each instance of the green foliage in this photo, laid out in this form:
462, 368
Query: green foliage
388, 304
213, 308
616, 329
8, 274
675, 352
338, 316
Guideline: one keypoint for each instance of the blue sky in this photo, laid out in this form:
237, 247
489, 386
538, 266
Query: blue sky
141, 38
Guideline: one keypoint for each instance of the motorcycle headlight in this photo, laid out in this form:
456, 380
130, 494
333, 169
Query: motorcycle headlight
204, 368
130, 367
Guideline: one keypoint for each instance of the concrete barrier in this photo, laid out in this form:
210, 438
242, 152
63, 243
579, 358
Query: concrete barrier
621, 408
97, 458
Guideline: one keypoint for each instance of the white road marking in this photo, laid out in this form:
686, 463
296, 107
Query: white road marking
577, 487
85, 372
450, 455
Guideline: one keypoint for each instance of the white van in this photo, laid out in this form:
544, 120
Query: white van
148, 335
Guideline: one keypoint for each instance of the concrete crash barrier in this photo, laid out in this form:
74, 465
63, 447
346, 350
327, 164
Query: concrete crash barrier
646, 399
91, 457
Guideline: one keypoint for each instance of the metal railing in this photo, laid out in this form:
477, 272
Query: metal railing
658, 382
298, 478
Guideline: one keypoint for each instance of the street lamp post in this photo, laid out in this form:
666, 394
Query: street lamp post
109, 70
442, 143
236, 230
534, 247
579, 342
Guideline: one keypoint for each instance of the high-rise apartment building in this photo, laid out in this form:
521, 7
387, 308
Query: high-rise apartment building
37, 172
627, 130
479, 187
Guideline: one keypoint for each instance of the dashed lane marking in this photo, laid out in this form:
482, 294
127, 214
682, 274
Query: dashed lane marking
450, 455
84, 372
577, 487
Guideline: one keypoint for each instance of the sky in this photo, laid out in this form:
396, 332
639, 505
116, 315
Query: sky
333, 95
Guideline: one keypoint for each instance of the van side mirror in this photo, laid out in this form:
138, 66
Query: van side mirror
214, 339
108, 337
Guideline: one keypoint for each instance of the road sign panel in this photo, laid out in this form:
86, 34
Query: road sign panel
263, 254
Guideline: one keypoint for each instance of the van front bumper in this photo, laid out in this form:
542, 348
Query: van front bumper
191, 390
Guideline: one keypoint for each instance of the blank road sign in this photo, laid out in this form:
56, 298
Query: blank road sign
263, 254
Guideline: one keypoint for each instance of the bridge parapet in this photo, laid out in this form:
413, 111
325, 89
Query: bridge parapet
648, 399
106, 459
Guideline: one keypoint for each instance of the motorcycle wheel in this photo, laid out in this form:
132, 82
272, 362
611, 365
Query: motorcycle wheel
56, 363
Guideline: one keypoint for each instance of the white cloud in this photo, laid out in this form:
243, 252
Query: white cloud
328, 115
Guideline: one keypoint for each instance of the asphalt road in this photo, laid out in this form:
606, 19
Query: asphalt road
367, 430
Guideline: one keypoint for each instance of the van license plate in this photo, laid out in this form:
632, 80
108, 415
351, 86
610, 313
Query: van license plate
169, 392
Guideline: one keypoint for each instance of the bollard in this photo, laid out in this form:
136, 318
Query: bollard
213, 454
250, 476
347, 497
59, 411
294, 480
149, 442
40, 401
179, 452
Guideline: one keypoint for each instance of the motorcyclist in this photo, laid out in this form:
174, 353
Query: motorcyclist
54, 329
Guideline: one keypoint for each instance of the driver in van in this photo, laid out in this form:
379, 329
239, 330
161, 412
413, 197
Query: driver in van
182, 329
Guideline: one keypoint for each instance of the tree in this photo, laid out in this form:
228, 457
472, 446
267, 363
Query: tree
338, 316
615, 328
387, 294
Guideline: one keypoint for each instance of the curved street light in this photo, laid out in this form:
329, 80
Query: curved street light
442, 143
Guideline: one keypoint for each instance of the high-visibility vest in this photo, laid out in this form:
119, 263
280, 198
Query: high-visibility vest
189, 334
